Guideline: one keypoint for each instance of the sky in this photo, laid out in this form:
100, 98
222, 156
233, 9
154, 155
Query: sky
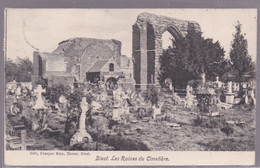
31, 29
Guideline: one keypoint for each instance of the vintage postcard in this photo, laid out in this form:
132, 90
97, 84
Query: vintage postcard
130, 86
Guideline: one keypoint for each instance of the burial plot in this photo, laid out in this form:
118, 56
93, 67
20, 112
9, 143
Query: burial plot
23, 142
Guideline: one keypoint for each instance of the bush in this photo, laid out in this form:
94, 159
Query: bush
53, 93
152, 95
194, 83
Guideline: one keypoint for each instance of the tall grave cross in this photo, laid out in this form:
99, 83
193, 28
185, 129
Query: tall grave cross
81, 135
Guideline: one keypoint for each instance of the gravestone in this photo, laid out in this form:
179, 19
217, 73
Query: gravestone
81, 135
168, 84
11, 86
189, 97
23, 143
176, 99
236, 87
116, 115
203, 79
229, 95
219, 83
63, 102
39, 103
246, 97
117, 94
157, 110
18, 91
125, 106
253, 97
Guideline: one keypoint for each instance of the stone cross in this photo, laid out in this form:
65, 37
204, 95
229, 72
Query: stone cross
39, 103
23, 143
81, 134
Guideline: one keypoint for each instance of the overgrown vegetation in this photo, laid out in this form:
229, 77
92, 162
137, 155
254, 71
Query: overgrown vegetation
20, 70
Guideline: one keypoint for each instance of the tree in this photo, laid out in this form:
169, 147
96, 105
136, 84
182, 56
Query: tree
189, 56
25, 69
10, 70
20, 70
240, 60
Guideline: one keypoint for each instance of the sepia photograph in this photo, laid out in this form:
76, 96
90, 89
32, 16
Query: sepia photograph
121, 80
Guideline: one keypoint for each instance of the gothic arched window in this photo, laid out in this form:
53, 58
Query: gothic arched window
111, 67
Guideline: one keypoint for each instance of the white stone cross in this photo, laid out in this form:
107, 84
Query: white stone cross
81, 134
39, 103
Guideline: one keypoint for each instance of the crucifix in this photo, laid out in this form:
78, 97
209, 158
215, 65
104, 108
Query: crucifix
23, 143
39, 103
81, 135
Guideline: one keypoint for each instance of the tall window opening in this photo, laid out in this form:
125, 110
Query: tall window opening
111, 67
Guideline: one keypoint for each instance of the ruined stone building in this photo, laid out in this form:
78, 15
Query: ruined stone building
147, 44
82, 59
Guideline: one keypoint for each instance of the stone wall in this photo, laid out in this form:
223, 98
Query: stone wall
147, 44
77, 54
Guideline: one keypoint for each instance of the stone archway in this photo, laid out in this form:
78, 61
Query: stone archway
147, 44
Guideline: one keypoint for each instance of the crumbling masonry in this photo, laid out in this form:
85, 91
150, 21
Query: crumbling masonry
147, 44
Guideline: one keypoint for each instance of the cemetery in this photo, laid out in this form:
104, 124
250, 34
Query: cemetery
91, 119
109, 104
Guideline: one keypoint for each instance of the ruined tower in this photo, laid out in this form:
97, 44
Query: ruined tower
147, 44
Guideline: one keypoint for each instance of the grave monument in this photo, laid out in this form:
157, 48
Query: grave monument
230, 95
81, 135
